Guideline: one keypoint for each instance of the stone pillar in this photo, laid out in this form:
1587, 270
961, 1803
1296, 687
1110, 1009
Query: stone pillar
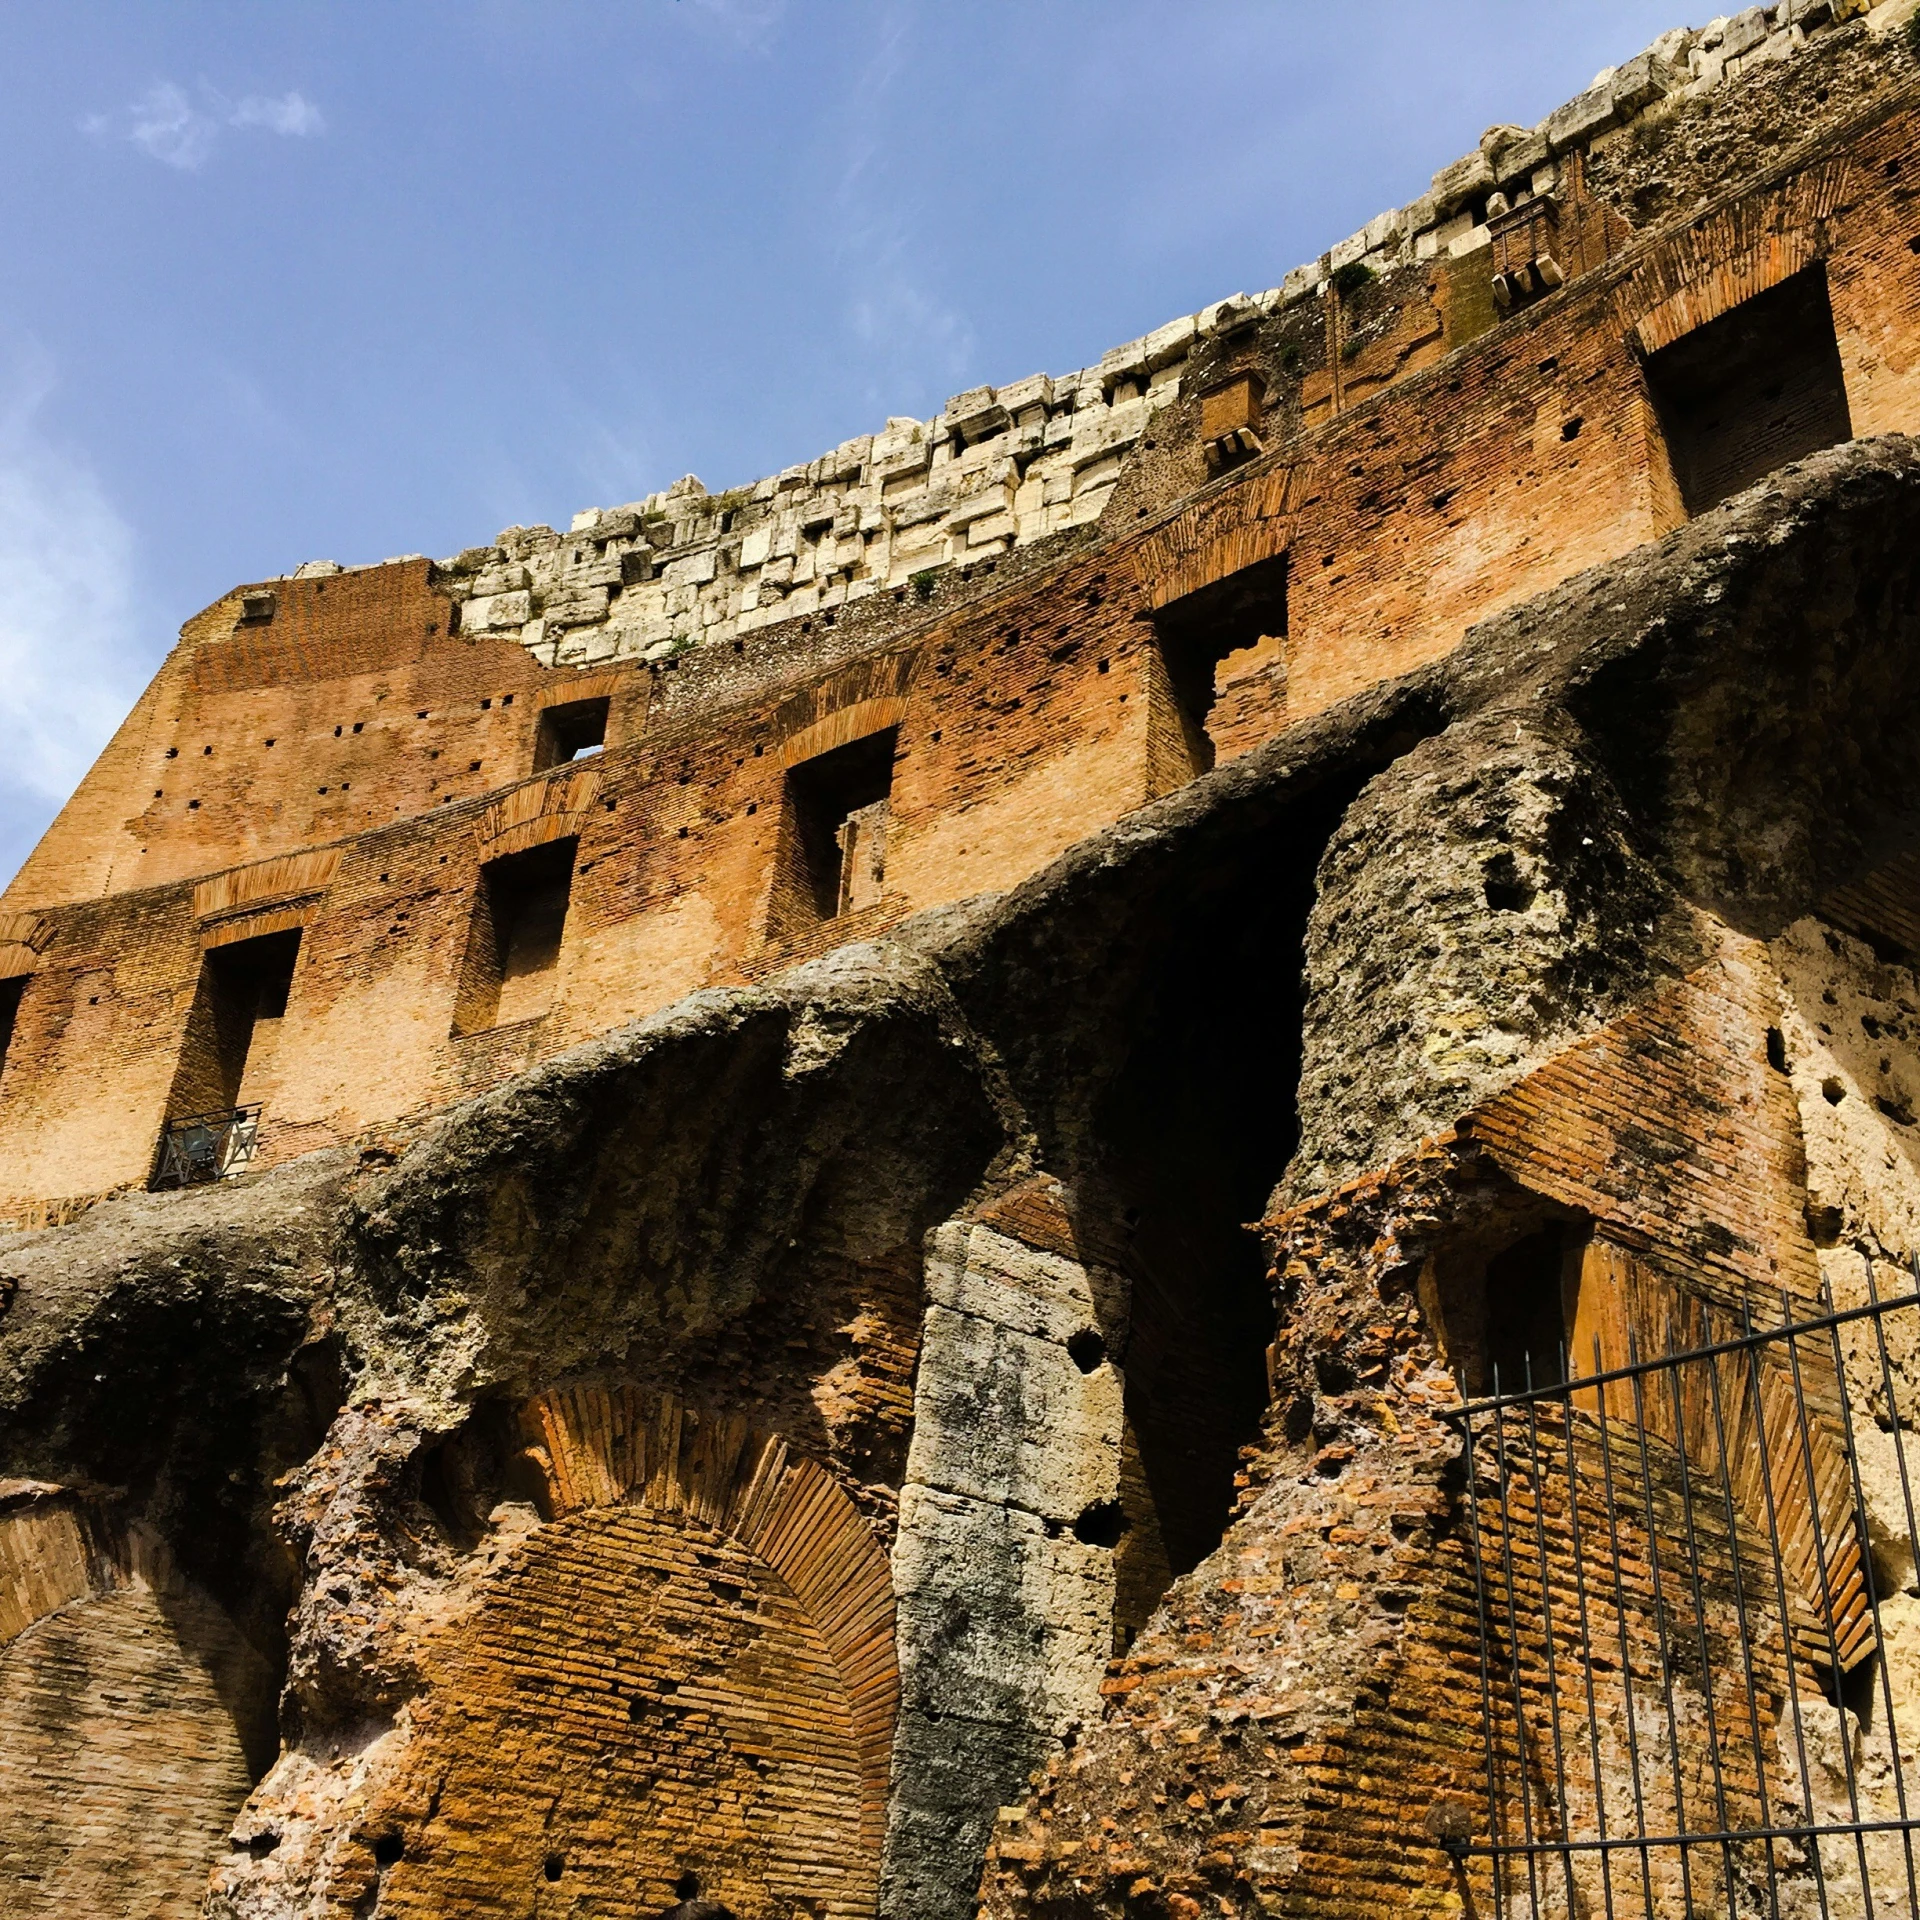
1005, 1593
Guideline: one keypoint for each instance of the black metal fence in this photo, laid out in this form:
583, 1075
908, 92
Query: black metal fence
1686, 1700
206, 1146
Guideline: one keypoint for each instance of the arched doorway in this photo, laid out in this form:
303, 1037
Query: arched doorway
133, 1718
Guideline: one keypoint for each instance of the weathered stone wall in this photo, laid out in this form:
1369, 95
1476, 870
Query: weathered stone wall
1004, 1567
805, 1406
724, 1212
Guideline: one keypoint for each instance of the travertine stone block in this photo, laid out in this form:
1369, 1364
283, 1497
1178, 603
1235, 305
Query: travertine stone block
496, 612
1454, 185
1005, 1615
1579, 120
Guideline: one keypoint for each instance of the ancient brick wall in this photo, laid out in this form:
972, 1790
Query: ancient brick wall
735, 1680
1025, 715
132, 1716
812, 986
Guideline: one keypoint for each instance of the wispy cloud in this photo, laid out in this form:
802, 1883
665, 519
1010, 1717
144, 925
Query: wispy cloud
907, 335
292, 114
165, 123
70, 655
181, 129
751, 25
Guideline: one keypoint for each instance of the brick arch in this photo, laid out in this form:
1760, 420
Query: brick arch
1214, 538
133, 1717
861, 698
689, 1664
1727, 257
600, 1446
537, 811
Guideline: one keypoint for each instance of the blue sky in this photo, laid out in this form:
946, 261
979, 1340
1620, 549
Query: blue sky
285, 281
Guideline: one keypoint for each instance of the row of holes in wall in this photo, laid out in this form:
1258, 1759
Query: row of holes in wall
570, 731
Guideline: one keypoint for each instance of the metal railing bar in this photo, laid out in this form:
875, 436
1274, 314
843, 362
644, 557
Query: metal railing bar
1873, 1585
1838, 1829
1819, 1324
1867, 1544
1626, 1648
1486, 1681
1827, 1608
1700, 1615
1586, 1644
1746, 1637
1546, 1615
1513, 1660
1668, 1518
1780, 1590
1660, 1613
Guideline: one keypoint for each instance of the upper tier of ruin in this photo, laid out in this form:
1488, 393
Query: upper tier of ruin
1003, 467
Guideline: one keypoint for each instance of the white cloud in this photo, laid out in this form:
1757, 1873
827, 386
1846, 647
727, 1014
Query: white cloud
181, 131
70, 657
291, 114
166, 124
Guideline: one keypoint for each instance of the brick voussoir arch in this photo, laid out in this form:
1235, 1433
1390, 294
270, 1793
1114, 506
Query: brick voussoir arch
1728, 255
599, 1446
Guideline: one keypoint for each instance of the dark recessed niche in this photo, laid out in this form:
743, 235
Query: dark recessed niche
1101, 1524
834, 837
1747, 393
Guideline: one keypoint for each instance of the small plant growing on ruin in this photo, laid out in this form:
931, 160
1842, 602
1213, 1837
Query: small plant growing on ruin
1289, 358
1351, 278
923, 583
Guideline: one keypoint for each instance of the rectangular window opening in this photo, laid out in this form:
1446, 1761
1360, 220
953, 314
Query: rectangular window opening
834, 841
1744, 394
513, 942
1530, 1289
10, 996
233, 1027
1204, 635
569, 731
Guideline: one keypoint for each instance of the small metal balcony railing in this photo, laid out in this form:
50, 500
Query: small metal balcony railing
203, 1147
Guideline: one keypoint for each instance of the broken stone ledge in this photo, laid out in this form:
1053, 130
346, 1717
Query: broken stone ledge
1001, 468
